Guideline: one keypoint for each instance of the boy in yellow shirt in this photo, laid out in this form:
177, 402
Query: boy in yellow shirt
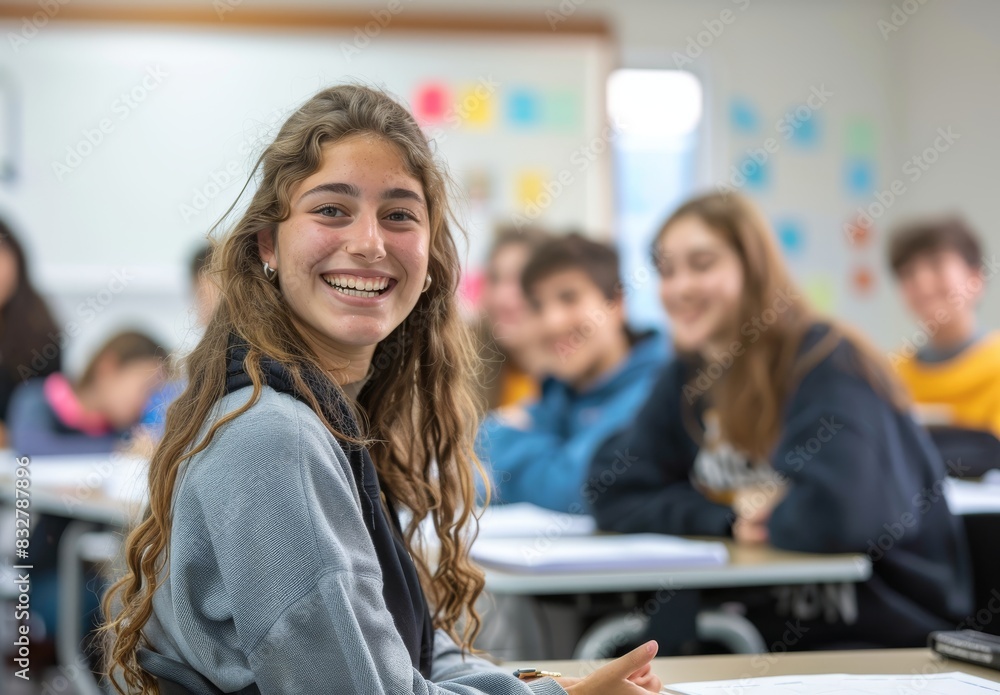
950, 366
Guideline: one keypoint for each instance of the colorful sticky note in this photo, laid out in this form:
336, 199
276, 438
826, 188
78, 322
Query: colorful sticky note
474, 107
524, 107
860, 177
806, 133
790, 236
479, 185
743, 116
863, 280
430, 104
751, 173
530, 185
470, 286
859, 231
821, 291
563, 109
860, 138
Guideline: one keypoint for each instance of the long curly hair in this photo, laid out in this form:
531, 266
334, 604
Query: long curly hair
419, 409
750, 398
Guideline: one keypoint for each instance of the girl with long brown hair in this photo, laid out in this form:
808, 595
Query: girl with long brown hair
776, 424
333, 386
30, 341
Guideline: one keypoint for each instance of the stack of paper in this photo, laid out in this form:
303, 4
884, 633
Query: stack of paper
841, 684
645, 551
970, 497
528, 520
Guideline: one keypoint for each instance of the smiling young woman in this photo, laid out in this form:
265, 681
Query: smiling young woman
777, 424
333, 386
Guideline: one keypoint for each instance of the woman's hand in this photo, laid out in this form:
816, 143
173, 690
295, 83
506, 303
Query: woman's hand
513, 416
631, 674
753, 506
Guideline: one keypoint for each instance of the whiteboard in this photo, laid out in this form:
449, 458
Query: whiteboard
134, 139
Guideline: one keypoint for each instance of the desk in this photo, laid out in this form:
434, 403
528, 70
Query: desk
712, 668
93, 491
747, 566
105, 489
528, 612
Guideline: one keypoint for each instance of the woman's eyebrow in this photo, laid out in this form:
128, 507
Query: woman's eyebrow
397, 193
348, 189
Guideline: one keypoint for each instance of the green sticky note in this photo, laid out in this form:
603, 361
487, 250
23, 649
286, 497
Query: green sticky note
822, 292
860, 137
563, 109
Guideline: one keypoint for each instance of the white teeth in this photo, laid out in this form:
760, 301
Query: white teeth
357, 286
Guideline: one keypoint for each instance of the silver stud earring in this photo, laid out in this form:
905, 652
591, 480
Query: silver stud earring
269, 272
427, 283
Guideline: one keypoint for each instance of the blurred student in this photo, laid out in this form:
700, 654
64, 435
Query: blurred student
775, 425
510, 351
954, 374
203, 287
600, 375
55, 415
206, 299
29, 339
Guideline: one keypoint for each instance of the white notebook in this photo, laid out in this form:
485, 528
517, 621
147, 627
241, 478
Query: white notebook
524, 519
969, 497
643, 551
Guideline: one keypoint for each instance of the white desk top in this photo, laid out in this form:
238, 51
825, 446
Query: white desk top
108, 489
748, 566
738, 666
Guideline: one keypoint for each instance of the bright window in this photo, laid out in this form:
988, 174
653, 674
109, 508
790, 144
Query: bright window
658, 115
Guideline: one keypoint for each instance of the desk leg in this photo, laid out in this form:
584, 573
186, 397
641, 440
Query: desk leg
70, 618
674, 623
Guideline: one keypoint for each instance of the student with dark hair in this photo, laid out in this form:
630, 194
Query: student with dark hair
951, 366
206, 292
599, 375
777, 425
29, 339
206, 300
55, 415
509, 349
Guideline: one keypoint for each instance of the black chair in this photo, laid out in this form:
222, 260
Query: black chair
983, 532
967, 453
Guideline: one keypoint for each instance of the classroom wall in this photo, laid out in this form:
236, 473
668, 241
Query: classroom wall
900, 86
945, 62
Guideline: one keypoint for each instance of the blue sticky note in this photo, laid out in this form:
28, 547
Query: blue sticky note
743, 116
750, 173
524, 107
860, 177
806, 133
791, 236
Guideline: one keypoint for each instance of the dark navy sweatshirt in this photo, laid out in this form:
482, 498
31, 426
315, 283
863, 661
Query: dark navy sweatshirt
862, 477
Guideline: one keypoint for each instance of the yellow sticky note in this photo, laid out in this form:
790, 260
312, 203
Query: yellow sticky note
529, 187
474, 106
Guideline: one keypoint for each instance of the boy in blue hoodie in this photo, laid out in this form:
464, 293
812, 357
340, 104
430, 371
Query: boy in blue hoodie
600, 374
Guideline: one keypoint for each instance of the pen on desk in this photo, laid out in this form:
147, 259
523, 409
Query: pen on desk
526, 673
